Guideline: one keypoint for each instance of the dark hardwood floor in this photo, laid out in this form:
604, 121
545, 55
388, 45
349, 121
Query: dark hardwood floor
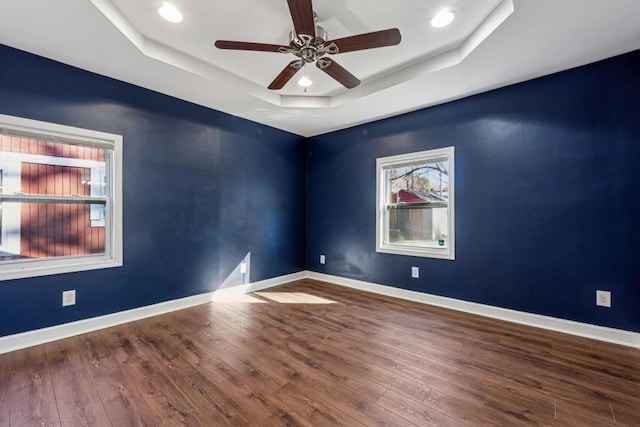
315, 354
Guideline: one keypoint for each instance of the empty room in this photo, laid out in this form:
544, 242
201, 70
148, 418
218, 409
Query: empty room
319, 213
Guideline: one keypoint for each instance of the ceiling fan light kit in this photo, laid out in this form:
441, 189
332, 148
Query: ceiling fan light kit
305, 81
308, 41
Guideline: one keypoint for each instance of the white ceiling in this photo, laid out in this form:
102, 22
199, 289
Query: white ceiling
492, 43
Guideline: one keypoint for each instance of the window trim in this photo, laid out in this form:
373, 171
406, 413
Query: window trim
113, 257
383, 163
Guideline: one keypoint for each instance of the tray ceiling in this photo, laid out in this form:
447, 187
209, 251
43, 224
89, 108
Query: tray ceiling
490, 44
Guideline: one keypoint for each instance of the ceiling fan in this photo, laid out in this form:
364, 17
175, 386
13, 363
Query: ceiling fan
309, 43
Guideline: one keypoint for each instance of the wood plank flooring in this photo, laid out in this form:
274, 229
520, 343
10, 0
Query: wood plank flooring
314, 354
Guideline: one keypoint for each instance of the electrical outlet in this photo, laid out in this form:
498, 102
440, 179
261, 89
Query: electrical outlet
68, 297
243, 268
322, 259
603, 298
415, 272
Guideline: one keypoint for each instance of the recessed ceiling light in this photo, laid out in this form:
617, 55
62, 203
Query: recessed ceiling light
170, 13
443, 18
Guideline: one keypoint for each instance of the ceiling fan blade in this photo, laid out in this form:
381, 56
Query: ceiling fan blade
336, 71
260, 47
285, 75
302, 16
372, 40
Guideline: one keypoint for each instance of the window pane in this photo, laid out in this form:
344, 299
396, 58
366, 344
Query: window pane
417, 195
45, 230
424, 227
427, 181
33, 229
1, 234
60, 169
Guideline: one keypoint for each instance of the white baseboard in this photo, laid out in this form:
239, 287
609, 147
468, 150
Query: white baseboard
616, 336
40, 336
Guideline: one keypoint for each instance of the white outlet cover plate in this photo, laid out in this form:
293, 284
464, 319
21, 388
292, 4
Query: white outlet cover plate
68, 298
603, 298
322, 259
415, 272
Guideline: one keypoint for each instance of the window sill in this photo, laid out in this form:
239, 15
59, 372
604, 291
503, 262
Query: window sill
418, 252
24, 270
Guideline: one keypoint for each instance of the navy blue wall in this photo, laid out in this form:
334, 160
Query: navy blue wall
547, 196
201, 190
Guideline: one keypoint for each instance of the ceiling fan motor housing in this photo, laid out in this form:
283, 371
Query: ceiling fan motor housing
306, 46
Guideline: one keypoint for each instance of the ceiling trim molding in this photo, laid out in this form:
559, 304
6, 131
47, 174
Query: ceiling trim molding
175, 58
446, 59
395, 76
120, 22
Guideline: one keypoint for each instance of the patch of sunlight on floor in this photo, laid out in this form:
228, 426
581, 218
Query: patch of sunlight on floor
228, 297
294, 298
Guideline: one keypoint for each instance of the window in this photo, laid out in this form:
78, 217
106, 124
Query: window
415, 204
60, 199
1, 234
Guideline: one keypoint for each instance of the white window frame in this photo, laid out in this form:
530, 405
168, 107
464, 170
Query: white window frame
113, 256
384, 163
4, 236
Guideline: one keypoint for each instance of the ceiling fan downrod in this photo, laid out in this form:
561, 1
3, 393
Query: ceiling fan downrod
309, 48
